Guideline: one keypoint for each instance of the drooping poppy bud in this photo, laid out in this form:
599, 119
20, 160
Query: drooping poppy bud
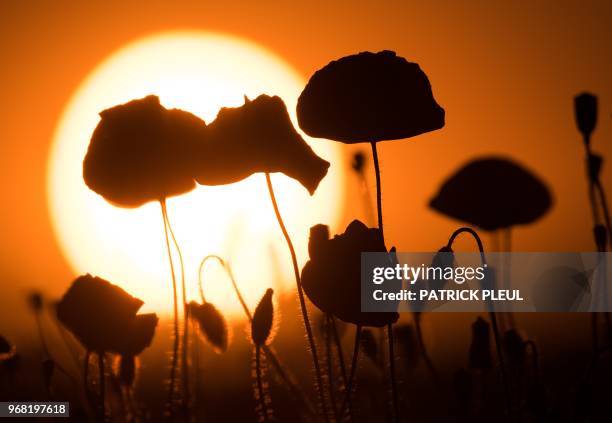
263, 317
480, 348
212, 324
585, 109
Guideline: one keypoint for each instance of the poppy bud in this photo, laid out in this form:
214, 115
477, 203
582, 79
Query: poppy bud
318, 235
585, 109
212, 324
480, 348
261, 325
358, 161
368, 344
127, 370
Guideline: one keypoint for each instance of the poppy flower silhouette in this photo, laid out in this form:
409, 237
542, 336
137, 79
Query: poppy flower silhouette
103, 317
493, 193
142, 152
257, 137
138, 153
370, 97
332, 281
332, 277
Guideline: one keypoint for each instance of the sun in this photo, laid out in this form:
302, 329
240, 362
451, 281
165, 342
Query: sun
199, 72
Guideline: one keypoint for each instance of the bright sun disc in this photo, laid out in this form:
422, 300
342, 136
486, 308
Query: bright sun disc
199, 72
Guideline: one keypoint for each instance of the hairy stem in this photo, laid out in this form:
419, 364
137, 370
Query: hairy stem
102, 381
349, 384
296, 271
175, 346
392, 376
343, 372
396, 412
423, 348
492, 315
330, 366
378, 191
270, 355
185, 345
260, 389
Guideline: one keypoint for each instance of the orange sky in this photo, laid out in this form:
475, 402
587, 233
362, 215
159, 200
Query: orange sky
505, 75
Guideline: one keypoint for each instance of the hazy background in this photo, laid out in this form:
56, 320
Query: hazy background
505, 73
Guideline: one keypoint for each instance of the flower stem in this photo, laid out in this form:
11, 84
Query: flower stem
330, 366
296, 271
423, 348
260, 389
102, 381
270, 355
396, 412
378, 190
492, 315
185, 345
175, 347
349, 384
389, 326
343, 373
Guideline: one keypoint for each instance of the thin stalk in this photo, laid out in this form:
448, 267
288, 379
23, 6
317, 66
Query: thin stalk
596, 221
349, 385
296, 271
86, 372
228, 269
367, 198
492, 315
390, 326
270, 355
260, 389
396, 412
343, 373
175, 346
604, 206
185, 346
102, 382
378, 190
423, 348
330, 366
508, 270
